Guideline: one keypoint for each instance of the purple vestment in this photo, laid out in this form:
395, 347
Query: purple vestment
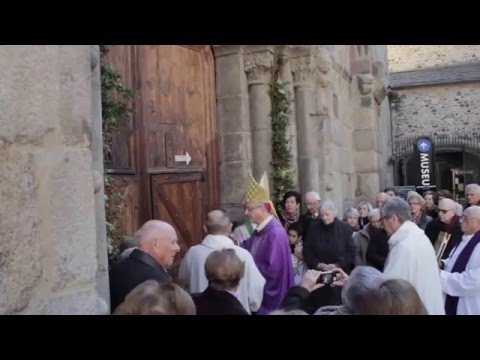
270, 249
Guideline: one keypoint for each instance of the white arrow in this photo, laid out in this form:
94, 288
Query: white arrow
183, 158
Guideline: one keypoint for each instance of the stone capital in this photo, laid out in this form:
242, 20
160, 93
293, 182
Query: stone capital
225, 50
258, 67
304, 70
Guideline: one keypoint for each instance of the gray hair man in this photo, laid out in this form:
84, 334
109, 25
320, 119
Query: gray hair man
472, 193
411, 256
218, 226
358, 284
461, 278
447, 222
380, 199
363, 237
313, 202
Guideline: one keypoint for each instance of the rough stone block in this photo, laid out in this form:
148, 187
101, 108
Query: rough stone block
233, 189
72, 219
236, 147
75, 99
28, 98
229, 74
233, 114
83, 302
365, 140
20, 265
363, 119
368, 185
366, 161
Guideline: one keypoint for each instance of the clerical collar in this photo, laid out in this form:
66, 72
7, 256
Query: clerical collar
264, 223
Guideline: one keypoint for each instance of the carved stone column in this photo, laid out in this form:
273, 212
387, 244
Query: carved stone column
258, 67
304, 70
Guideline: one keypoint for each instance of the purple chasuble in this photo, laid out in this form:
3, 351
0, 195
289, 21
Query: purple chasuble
270, 249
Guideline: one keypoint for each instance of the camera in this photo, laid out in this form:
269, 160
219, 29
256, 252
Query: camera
327, 278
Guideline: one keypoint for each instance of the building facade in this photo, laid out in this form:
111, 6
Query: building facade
435, 93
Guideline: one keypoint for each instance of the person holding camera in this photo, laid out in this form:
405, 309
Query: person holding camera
329, 245
354, 289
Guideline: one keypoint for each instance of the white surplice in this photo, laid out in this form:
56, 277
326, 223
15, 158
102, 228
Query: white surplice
192, 270
412, 258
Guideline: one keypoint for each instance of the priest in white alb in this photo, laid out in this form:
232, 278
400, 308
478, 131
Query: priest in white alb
461, 278
411, 256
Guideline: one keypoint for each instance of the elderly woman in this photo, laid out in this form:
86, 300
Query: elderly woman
291, 208
417, 208
351, 219
430, 207
224, 270
393, 297
363, 208
329, 245
153, 298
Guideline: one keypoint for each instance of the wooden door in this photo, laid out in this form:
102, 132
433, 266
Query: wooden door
174, 115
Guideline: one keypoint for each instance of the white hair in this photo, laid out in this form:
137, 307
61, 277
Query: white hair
351, 212
361, 280
474, 210
314, 195
329, 205
374, 212
474, 187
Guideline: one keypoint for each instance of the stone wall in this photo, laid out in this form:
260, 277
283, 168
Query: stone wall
448, 110
436, 110
339, 119
49, 257
415, 57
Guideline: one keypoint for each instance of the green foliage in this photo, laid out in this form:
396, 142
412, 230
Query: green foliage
282, 175
116, 108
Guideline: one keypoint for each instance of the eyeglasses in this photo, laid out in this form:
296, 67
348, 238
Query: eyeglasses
253, 207
468, 218
383, 218
443, 211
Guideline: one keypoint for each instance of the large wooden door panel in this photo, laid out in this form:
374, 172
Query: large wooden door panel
178, 199
174, 114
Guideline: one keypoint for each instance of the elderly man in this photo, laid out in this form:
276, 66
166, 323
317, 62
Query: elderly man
447, 222
461, 278
380, 199
312, 202
269, 245
411, 256
157, 247
192, 272
472, 193
377, 249
364, 237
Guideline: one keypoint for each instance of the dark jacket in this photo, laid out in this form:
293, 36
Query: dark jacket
377, 250
296, 299
424, 220
126, 274
328, 244
215, 302
433, 230
307, 220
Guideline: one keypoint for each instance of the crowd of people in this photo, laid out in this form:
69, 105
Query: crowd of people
416, 255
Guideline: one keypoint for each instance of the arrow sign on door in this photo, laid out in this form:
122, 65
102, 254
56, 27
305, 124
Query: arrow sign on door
183, 158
